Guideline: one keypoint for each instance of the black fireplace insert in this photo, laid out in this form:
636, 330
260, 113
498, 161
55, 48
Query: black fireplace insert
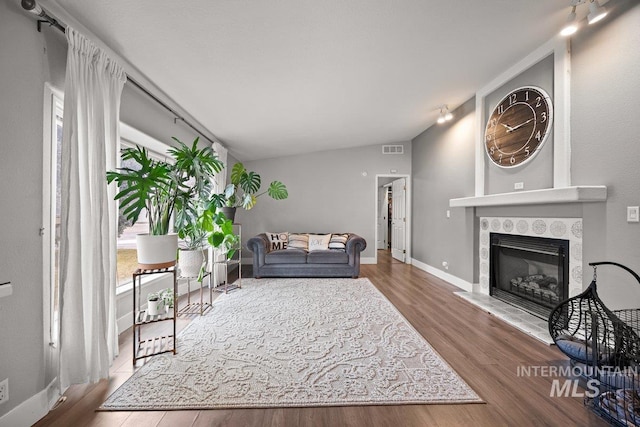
531, 273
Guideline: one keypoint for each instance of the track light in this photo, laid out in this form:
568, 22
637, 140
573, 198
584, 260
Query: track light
445, 115
571, 25
596, 12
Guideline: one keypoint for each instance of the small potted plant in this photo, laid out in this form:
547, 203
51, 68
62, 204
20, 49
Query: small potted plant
154, 303
243, 190
167, 297
219, 228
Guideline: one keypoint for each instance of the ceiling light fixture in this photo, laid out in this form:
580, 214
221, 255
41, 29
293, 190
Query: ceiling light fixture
572, 23
445, 114
596, 12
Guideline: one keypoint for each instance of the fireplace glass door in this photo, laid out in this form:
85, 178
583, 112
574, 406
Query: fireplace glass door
529, 272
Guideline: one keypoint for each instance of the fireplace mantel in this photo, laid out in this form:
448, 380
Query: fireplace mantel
577, 194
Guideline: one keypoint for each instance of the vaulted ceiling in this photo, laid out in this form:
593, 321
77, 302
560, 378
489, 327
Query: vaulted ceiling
281, 77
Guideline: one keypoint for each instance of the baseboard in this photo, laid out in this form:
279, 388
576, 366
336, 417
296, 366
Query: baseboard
454, 280
31, 410
367, 260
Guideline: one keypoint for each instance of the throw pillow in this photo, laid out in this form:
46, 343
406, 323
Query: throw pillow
338, 241
298, 241
319, 242
278, 241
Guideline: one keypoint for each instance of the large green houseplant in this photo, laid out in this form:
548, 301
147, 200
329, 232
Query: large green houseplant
243, 189
165, 189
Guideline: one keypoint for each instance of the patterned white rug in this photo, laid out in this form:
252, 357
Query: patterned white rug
295, 342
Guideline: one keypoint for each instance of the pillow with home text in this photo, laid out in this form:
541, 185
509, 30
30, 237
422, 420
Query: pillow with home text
278, 241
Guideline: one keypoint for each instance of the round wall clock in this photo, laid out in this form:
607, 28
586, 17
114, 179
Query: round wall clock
518, 126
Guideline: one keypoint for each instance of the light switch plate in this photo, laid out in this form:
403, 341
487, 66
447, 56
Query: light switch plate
633, 213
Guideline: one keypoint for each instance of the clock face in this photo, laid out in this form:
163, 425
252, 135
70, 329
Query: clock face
518, 126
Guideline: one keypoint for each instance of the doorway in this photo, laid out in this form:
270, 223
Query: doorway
393, 225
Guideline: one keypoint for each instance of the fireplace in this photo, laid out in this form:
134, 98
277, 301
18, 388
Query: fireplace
529, 272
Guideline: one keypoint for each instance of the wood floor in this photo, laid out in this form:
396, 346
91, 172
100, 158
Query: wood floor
485, 351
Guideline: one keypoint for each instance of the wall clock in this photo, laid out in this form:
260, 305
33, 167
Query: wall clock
518, 126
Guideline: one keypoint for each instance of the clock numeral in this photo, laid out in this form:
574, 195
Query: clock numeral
526, 151
492, 150
538, 136
512, 98
544, 117
526, 96
494, 122
500, 158
500, 109
538, 102
512, 160
489, 137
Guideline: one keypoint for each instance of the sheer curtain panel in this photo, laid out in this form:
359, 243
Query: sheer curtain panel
219, 271
88, 333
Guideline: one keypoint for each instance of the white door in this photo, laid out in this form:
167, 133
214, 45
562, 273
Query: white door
398, 219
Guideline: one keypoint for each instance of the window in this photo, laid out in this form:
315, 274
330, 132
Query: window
50, 231
126, 256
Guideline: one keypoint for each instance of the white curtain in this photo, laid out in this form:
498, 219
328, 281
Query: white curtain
218, 271
88, 333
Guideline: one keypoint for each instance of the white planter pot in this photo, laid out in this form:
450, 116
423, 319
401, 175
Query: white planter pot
156, 251
190, 262
154, 307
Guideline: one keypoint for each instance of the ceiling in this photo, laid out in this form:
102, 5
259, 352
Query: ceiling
282, 77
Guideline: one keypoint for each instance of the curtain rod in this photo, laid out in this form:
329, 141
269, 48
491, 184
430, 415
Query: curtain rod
32, 7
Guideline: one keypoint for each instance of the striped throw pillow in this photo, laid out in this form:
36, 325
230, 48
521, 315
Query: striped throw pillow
298, 241
338, 242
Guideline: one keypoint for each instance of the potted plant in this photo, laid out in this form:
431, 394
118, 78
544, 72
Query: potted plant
219, 228
163, 188
154, 303
243, 190
167, 297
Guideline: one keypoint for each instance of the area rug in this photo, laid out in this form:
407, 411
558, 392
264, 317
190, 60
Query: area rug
295, 343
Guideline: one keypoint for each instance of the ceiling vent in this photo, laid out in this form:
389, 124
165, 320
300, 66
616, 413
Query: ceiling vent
393, 149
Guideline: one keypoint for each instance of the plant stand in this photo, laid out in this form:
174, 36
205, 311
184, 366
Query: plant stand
197, 307
143, 348
225, 286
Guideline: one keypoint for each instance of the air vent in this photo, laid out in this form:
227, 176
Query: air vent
393, 149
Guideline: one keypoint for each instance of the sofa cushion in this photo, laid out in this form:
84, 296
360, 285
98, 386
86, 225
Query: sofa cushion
327, 257
319, 242
286, 256
277, 241
298, 241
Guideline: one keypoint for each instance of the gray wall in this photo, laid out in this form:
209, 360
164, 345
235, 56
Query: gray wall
28, 59
605, 103
23, 68
327, 192
443, 167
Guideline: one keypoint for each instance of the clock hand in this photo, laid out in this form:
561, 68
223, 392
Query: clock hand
509, 128
520, 125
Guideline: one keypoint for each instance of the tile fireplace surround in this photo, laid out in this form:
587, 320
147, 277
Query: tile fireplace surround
556, 228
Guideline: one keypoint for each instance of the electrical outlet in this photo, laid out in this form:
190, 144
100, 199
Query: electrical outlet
4, 390
518, 186
633, 214
445, 264
448, 213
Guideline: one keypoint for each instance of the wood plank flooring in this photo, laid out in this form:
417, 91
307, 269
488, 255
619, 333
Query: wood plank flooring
485, 351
